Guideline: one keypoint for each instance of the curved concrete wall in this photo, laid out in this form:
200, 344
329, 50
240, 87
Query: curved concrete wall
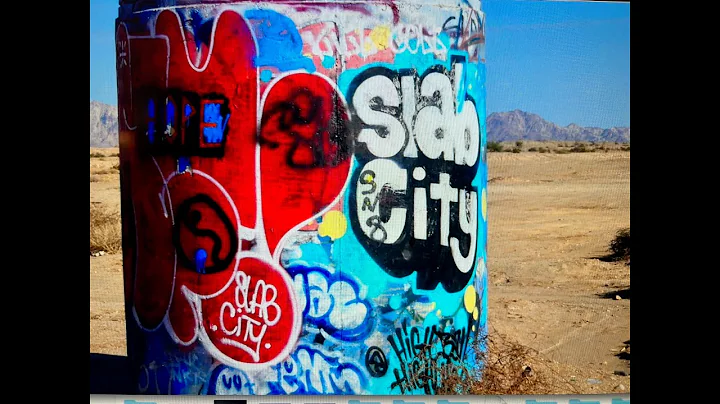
303, 194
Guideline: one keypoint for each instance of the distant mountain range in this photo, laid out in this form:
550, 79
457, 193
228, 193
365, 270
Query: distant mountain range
501, 127
103, 125
521, 125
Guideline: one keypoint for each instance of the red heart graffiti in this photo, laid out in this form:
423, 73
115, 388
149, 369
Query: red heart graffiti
304, 152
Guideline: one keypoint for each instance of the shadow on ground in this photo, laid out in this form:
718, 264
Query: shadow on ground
611, 258
623, 293
625, 353
109, 374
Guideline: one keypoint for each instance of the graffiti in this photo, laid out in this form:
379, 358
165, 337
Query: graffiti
376, 362
425, 221
228, 381
296, 185
279, 41
205, 232
322, 39
399, 301
301, 116
313, 371
396, 107
467, 32
422, 354
153, 264
247, 314
332, 302
171, 374
184, 123
151, 377
238, 304
416, 38
190, 216
305, 151
246, 323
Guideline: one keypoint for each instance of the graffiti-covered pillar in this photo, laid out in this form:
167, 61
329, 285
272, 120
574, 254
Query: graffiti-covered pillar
303, 194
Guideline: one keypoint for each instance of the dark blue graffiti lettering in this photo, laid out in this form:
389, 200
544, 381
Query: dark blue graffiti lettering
151, 122
313, 371
170, 117
184, 124
229, 381
332, 301
183, 165
213, 126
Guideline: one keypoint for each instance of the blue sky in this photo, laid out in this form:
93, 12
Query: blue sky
568, 62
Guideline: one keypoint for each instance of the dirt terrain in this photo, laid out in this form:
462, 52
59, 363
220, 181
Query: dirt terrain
551, 217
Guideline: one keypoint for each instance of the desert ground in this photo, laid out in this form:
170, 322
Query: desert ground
551, 217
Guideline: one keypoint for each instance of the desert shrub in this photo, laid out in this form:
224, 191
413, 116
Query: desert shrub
519, 143
579, 148
533, 149
507, 368
105, 229
625, 148
620, 245
516, 150
511, 368
96, 155
116, 167
494, 147
563, 151
543, 150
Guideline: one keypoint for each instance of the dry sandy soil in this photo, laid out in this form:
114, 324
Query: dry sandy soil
551, 217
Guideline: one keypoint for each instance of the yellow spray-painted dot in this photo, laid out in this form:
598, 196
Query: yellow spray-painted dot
368, 178
470, 297
473, 328
433, 305
334, 225
476, 313
439, 313
380, 36
484, 204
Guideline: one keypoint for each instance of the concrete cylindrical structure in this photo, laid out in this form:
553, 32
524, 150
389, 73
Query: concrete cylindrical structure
303, 193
